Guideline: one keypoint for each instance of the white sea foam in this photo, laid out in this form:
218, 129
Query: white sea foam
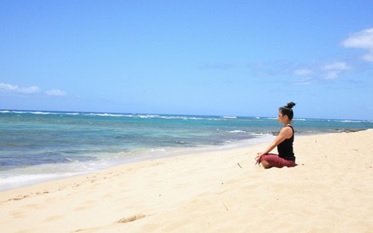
351, 121
105, 114
73, 113
16, 181
181, 118
25, 176
148, 116
237, 131
43, 113
229, 117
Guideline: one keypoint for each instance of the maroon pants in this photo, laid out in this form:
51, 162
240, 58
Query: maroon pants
275, 161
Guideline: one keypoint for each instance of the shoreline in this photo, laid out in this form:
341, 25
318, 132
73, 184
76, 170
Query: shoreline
83, 143
137, 156
215, 191
134, 157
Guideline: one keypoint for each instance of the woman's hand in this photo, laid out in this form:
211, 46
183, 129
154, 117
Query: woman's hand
258, 158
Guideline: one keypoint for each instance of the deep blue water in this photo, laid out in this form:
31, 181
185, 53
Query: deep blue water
37, 145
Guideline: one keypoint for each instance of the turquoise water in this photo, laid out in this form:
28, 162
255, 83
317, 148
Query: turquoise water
36, 146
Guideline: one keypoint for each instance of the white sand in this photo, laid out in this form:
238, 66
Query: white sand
331, 190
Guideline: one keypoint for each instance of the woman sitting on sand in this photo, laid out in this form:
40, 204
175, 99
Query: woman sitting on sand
284, 142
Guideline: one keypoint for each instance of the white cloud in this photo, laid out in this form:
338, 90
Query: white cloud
306, 81
331, 74
368, 57
18, 89
303, 72
327, 71
337, 66
55, 92
333, 70
29, 90
361, 40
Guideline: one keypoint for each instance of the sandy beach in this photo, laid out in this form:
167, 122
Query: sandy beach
331, 190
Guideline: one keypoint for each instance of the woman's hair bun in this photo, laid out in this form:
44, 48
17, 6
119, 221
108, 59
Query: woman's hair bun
290, 105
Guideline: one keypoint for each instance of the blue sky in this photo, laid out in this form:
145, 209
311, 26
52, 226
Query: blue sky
208, 57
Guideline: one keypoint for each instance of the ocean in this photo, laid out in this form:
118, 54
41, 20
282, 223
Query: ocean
38, 146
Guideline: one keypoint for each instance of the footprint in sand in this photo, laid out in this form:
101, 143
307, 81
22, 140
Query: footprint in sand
53, 218
131, 219
122, 220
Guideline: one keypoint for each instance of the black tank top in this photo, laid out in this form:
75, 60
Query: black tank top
285, 148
